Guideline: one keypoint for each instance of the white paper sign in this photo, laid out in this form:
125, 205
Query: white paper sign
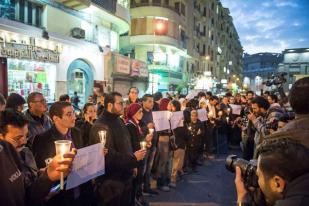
236, 109
177, 119
161, 120
89, 163
202, 115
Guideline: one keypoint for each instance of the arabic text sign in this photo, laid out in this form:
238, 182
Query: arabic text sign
88, 164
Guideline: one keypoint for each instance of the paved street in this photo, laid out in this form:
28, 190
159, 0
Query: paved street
213, 185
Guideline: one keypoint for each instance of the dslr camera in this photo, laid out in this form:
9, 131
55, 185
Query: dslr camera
248, 169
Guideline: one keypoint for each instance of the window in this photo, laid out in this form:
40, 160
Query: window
22, 10
156, 2
205, 12
183, 9
29, 13
177, 7
167, 2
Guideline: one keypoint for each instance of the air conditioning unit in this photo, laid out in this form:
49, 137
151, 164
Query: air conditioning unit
78, 33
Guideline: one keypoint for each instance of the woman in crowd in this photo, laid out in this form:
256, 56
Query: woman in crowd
138, 139
85, 124
163, 153
178, 145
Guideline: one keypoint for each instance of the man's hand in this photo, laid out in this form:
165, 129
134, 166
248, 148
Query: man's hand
242, 193
140, 154
59, 165
251, 117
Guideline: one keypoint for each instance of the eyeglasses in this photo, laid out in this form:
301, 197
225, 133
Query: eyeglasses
41, 101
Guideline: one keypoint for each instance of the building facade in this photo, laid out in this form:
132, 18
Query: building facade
157, 36
214, 46
258, 68
295, 63
58, 47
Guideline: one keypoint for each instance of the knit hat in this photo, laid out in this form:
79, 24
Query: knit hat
132, 110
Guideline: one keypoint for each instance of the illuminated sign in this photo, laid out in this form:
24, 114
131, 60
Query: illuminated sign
21, 51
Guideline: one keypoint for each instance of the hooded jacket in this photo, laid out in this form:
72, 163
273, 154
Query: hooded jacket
296, 192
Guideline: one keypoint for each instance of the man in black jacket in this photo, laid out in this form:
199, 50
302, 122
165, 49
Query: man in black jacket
283, 173
14, 187
114, 188
63, 116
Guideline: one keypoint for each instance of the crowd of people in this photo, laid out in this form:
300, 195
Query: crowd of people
32, 168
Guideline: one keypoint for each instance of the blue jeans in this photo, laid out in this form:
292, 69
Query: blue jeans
149, 158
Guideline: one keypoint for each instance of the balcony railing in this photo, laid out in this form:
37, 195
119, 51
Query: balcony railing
135, 5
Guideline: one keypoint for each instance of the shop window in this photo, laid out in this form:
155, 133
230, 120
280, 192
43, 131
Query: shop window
26, 76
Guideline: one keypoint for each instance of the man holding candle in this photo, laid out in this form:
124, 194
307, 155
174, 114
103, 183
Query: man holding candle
148, 127
63, 116
15, 186
115, 187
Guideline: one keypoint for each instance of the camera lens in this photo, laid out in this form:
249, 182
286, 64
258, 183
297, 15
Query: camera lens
248, 169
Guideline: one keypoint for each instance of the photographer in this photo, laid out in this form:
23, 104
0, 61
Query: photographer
298, 128
264, 118
283, 179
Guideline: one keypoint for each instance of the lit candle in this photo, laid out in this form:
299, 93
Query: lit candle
102, 136
151, 131
62, 147
227, 119
228, 110
143, 145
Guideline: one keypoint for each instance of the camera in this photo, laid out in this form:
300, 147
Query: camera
276, 79
272, 125
248, 169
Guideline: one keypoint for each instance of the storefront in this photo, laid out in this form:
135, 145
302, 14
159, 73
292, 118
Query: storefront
139, 74
28, 69
126, 73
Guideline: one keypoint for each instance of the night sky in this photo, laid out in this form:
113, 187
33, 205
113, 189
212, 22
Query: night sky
270, 25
